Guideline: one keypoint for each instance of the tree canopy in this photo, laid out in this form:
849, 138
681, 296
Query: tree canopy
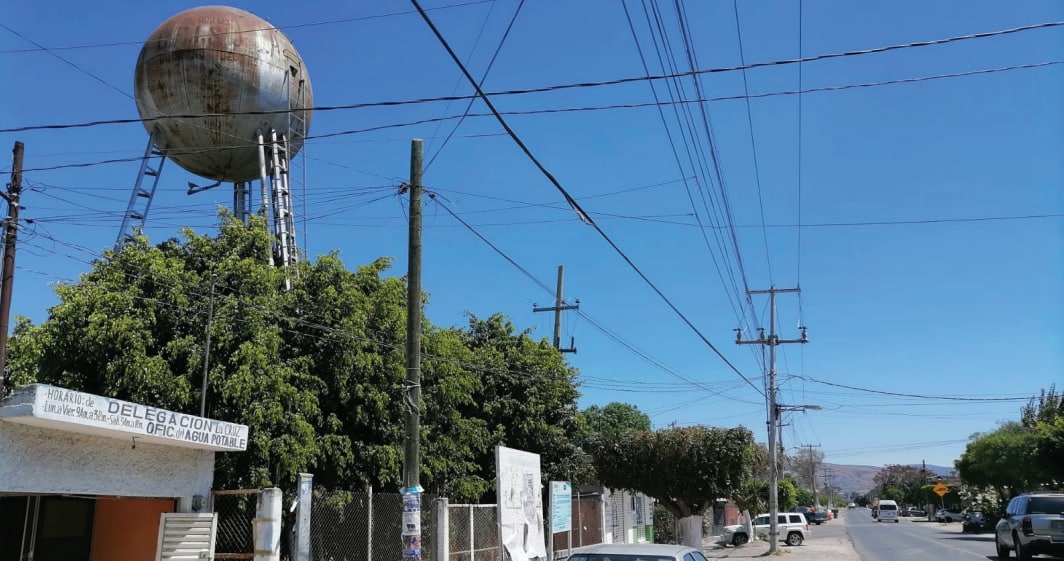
686, 469
1022, 455
317, 371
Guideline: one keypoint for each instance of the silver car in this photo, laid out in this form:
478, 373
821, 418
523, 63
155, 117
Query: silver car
1033, 524
636, 552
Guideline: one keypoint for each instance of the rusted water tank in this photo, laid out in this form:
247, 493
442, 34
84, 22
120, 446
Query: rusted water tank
224, 61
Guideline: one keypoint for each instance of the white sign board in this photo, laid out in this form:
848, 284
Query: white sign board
561, 506
520, 504
53, 407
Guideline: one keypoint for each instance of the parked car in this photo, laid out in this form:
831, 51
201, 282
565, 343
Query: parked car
903, 511
792, 529
948, 515
974, 522
917, 511
1033, 524
656, 551
812, 515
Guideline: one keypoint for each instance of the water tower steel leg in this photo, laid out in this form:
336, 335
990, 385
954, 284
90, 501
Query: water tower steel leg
141, 196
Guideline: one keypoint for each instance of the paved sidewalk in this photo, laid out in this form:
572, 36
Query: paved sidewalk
819, 549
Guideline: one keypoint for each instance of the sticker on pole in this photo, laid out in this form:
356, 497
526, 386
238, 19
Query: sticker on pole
411, 548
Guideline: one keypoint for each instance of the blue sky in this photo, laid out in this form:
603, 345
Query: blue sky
956, 309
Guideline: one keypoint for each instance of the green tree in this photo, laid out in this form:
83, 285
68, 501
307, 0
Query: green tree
804, 465
527, 398
685, 469
803, 497
317, 371
611, 421
753, 496
1005, 460
903, 482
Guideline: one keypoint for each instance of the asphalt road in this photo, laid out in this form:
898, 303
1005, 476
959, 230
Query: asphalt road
915, 539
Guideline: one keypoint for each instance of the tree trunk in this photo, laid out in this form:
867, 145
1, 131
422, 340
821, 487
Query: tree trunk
692, 531
749, 523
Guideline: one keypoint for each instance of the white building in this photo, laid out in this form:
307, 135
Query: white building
89, 478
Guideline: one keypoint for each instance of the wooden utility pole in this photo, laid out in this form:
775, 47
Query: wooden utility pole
559, 307
411, 490
774, 408
14, 189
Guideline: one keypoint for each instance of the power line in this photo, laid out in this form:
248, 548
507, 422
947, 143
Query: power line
753, 143
293, 26
603, 329
483, 77
676, 155
569, 198
945, 398
799, 92
799, 171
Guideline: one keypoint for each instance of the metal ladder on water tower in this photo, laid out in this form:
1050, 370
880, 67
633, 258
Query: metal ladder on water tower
285, 250
140, 200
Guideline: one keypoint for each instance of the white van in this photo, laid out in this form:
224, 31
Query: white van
888, 511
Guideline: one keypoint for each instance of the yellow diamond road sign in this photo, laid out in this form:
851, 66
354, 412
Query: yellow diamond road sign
941, 490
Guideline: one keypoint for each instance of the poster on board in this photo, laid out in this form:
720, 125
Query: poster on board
520, 504
561, 506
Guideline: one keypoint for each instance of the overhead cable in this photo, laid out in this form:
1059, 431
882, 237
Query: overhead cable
571, 201
418, 101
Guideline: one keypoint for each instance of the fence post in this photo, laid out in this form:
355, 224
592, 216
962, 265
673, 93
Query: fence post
472, 532
443, 530
369, 522
304, 498
267, 526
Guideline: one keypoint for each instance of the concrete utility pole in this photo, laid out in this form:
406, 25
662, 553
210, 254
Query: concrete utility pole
812, 472
558, 307
774, 408
411, 490
14, 189
827, 486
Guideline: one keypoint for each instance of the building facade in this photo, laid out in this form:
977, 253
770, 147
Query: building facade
88, 478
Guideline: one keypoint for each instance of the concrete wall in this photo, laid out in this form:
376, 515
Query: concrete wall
40, 460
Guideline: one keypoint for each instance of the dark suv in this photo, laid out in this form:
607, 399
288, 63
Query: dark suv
1033, 524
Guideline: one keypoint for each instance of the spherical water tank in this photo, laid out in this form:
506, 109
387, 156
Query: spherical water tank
229, 63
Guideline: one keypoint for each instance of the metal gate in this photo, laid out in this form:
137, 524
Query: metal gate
236, 522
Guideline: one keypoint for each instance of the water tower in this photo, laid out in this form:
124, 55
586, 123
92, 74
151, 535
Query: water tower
225, 95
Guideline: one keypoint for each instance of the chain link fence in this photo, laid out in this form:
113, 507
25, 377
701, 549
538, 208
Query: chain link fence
236, 514
366, 526
473, 532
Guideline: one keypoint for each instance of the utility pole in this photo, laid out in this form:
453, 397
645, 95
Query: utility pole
14, 189
773, 408
812, 472
411, 490
828, 472
207, 353
559, 307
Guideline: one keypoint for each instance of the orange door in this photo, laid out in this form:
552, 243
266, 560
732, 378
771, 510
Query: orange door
127, 529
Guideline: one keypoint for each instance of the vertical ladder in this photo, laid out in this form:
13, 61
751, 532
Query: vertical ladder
140, 199
297, 126
242, 200
285, 251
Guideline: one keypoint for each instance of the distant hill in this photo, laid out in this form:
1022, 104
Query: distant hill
859, 478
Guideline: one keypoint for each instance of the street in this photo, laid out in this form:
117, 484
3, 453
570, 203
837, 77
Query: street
915, 539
